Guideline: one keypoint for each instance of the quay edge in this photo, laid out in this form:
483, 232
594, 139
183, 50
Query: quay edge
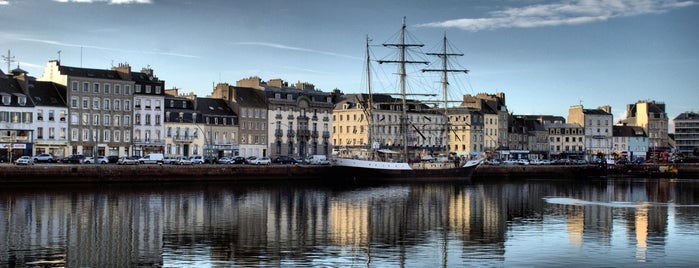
63, 173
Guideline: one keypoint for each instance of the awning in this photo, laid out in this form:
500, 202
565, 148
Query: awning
387, 151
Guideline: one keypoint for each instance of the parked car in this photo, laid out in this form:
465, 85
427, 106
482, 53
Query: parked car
73, 159
88, 160
127, 160
197, 159
225, 160
182, 160
24, 160
102, 160
284, 160
510, 162
44, 158
249, 159
238, 160
5, 158
261, 161
113, 159
169, 160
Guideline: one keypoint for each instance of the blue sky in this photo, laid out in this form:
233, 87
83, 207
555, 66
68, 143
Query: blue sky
544, 55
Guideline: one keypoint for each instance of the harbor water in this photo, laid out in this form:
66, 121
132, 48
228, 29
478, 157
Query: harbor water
522, 223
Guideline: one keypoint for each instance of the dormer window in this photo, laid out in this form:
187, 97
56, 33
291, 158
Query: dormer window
6, 99
22, 100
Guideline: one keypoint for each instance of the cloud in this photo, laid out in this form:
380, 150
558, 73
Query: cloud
573, 12
111, 2
57, 43
279, 46
4, 2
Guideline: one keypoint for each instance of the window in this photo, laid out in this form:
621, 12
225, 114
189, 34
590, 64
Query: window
86, 103
117, 105
106, 104
116, 120
148, 88
127, 105
105, 136
117, 135
137, 104
148, 102
138, 88
74, 119
137, 119
86, 87
96, 119
40, 115
127, 122
22, 100
157, 104
74, 86
157, 119
74, 102
6, 99
158, 89
52, 115
184, 104
96, 88
127, 91
107, 88
74, 135
106, 119
40, 133
148, 120
117, 89
96, 104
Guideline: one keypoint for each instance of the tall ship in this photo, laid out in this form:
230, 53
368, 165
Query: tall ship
404, 162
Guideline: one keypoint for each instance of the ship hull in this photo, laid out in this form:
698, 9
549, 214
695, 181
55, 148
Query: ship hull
374, 171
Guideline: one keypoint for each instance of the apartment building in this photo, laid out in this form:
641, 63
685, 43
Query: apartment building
565, 141
148, 112
17, 117
220, 127
651, 116
597, 125
99, 108
299, 119
352, 135
465, 137
489, 104
183, 135
687, 133
51, 114
247, 100
630, 142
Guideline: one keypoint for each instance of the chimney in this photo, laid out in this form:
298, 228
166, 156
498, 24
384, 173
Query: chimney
605, 108
124, 71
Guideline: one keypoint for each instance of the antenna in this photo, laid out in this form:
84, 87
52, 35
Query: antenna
59, 56
9, 59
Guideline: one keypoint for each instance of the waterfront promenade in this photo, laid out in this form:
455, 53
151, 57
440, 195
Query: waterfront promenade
109, 173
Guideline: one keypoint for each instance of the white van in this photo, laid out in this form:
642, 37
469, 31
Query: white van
151, 159
318, 159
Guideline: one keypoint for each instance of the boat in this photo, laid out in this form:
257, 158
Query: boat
386, 164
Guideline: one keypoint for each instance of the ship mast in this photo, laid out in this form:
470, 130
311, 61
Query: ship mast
403, 47
445, 78
370, 104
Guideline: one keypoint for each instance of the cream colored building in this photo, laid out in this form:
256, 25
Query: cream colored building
597, 125
565, 140
466, 137
351, 133
651, 116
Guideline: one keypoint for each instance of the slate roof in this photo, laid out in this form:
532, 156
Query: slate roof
687, 116
10, 86
250, 97
87, 72
212, 106
48, 94
628, 131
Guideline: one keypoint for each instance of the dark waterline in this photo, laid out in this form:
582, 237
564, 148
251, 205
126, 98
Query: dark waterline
531, 223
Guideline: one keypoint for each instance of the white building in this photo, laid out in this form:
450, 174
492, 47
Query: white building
597, 124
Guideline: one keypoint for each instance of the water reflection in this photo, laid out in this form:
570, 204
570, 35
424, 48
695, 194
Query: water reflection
600, 223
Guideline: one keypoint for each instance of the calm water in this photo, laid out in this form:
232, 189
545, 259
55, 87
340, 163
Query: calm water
540, 223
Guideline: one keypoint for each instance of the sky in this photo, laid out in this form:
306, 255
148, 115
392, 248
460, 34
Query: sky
544, 55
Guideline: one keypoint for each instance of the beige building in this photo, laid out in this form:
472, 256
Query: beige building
495, 118
467, 131
651, 116
565, 140
597, 125
352, 136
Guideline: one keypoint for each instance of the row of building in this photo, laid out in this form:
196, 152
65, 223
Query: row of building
70, 110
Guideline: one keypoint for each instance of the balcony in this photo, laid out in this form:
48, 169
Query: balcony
290, 133
182, 138
304, 133
326, 134
278, 133
314, 134
278, 116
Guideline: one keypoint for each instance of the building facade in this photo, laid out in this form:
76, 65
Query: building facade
565, 141
630, 143
148, 112
51, 118
299, 119
17, 115
248, 101
99, 108
651, 116
687, 133
597, 124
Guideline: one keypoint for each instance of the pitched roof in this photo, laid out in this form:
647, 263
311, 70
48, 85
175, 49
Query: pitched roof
687, 116
48, 94
628, 131
212, 106
250, 97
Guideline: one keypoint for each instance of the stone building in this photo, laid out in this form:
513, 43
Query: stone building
99, 108
597, 125
565, 141
630, 142
651, 116
248, 101
17, 116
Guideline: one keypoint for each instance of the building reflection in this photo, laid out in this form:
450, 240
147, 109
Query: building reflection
279, 226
